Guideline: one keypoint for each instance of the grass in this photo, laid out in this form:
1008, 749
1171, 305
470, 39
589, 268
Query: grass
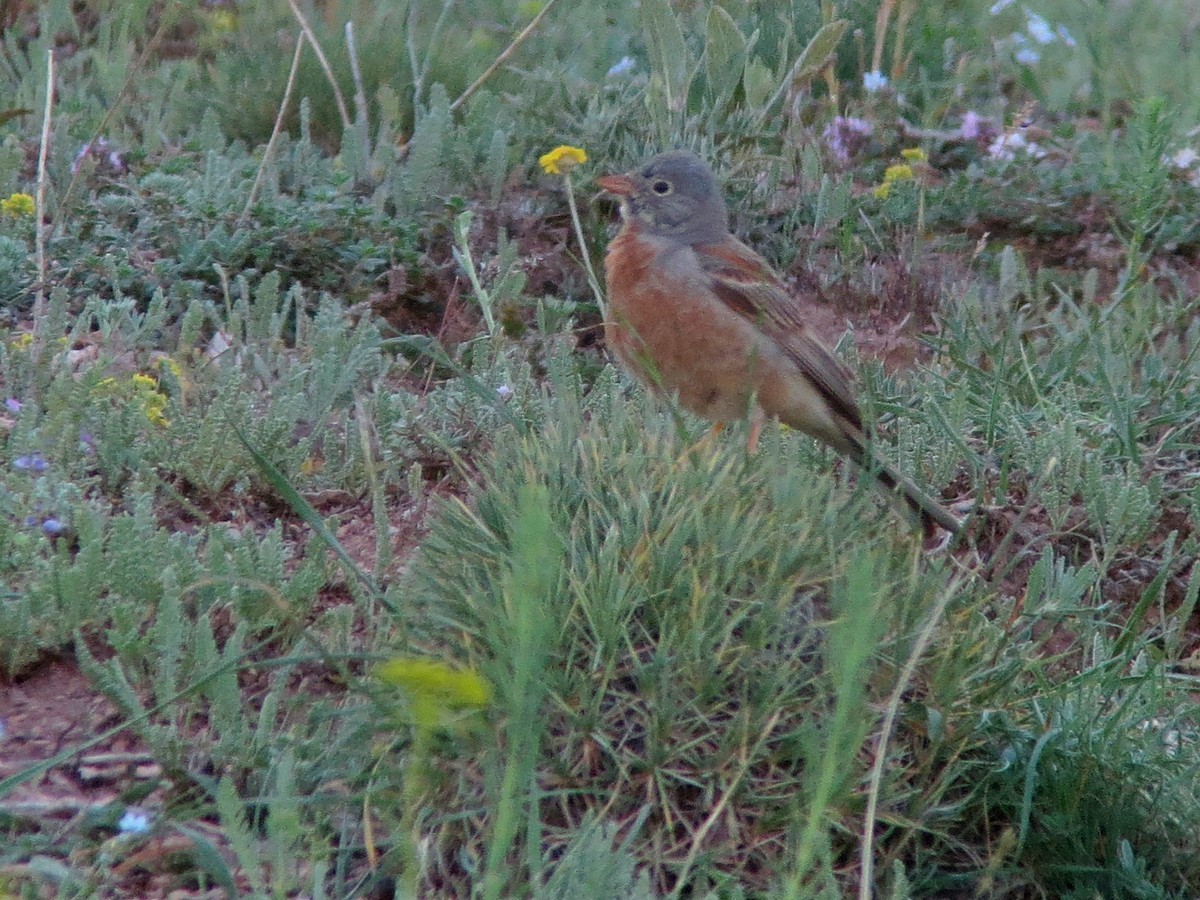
337, 560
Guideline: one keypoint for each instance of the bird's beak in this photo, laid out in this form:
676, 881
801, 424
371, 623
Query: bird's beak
620, 185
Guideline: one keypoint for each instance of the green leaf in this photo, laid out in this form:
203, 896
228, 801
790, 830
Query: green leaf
209, 860
305, 511
819, 50
724, 55
812, 59
669, 55
232, 813
758, 81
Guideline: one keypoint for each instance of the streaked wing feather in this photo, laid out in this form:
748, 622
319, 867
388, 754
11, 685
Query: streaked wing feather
745, 282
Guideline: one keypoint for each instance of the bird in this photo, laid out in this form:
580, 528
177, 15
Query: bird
696, 313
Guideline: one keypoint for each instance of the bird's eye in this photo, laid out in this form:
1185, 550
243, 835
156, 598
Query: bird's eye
662, 187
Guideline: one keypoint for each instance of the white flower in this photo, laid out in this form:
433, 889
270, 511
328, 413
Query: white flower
874, 81
1065, 36
1039, 29
1007, 146
1000, 6
504, 391
1185, 158
623, 66
135, 821
1025, 54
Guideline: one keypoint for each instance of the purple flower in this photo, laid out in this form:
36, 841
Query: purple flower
13, 405
33, 462
53, 526
977, 128
846, 136
102, 151
970, 125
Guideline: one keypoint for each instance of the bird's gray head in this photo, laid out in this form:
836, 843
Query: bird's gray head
673, 195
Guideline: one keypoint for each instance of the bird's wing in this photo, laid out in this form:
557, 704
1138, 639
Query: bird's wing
747, 284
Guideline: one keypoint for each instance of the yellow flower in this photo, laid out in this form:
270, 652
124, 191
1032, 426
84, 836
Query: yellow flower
562, 159
891, 175
154, 411
312, 465
434, 687
171, 366
914, 154
22, 341
17, 205
223, 20
154, 403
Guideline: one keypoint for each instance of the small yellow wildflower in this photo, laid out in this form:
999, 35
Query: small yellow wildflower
22, 341
434, 687
914, 154
223, 20
171, 366
562, 159
153, 408
17, 205
891, 175
312, 465
154, 402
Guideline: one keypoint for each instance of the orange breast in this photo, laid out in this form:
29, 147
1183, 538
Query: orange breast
672, 331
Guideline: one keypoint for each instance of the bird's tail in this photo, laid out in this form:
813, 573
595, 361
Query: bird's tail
926, 510
924, 507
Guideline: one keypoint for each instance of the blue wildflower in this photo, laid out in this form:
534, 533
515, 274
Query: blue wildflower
135, 821
874, 81
33, 462
623, 66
